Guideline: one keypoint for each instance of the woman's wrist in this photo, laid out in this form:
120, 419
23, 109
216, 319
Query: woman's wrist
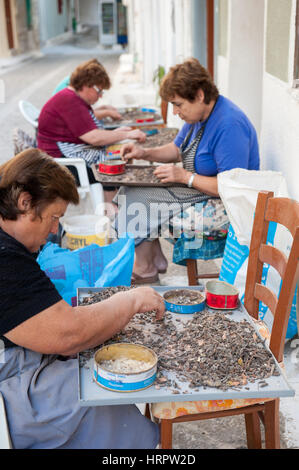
191, 180
187, 177
146, 154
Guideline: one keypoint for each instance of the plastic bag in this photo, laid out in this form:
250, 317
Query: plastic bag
91, 266
238, 190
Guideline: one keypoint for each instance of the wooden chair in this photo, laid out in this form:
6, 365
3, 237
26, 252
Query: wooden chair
192, 272
286, 212
23, 141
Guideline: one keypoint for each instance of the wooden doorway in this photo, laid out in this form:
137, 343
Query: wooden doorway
8, 19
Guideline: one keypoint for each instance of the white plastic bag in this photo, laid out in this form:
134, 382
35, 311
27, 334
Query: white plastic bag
238, 189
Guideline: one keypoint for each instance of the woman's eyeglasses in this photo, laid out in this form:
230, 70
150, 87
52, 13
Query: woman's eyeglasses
98, 90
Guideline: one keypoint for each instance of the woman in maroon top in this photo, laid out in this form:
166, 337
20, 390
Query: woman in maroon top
67, 125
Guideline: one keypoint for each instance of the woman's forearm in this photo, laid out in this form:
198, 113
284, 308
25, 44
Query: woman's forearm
65, 330
96, 323
101, 137
206, 184
99, 322
168, 153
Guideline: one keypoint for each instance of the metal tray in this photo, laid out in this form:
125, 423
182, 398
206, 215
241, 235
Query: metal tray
91, 394
118, 180
131, 123
111, 126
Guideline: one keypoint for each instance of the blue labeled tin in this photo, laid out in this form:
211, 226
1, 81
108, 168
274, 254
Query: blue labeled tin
149, 132
184, 301
112, 378
148, 110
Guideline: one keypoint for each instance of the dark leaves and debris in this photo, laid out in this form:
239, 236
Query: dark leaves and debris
209, 350
163, 137
131, 115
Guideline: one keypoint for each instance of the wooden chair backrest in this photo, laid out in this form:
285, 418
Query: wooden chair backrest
286, 212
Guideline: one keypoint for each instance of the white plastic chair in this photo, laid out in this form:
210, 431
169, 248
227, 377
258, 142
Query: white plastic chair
22, 140
95, 191
5, 441
29, 112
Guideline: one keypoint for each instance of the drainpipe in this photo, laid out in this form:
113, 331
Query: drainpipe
199, 32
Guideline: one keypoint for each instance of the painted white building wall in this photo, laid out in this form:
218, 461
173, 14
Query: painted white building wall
53, 24
280, 122
89, 12
271, 104
159, 34
240, 73
162, 36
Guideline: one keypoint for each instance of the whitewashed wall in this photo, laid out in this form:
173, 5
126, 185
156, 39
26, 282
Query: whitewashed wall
272, 104
161, 33
52, 24
4, 50
89, 12
240, 73
280, 122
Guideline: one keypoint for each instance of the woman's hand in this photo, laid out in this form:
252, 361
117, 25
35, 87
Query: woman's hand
114, 114
146, 299
110, 111
131, 150
122, 128
136, 134
105, 111
172, 174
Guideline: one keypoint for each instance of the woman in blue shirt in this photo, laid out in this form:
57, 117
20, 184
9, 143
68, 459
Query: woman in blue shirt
217, 136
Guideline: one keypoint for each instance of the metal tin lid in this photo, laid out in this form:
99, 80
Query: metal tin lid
221, 288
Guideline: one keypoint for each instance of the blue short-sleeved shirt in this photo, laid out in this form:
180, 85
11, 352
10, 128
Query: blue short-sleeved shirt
229, 140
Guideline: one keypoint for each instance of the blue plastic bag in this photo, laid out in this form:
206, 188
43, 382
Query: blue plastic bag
234, 270
238, 189
91, 266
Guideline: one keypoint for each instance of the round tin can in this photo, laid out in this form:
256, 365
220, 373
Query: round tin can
196, 305
116, 167
125, 381
145, 120
221, 295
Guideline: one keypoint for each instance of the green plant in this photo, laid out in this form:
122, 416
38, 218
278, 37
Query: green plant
157, 78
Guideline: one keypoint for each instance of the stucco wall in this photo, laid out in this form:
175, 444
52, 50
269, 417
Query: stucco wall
280, 131
270, 102
89, 12
52, 23
280, 121
4, 51
161, 35
240, 69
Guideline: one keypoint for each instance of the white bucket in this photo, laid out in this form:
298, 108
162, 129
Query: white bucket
83, 230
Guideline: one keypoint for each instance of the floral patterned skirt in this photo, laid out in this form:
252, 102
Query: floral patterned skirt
200, 232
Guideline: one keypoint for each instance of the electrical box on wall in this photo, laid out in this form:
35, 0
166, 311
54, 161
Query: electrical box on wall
108, 22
